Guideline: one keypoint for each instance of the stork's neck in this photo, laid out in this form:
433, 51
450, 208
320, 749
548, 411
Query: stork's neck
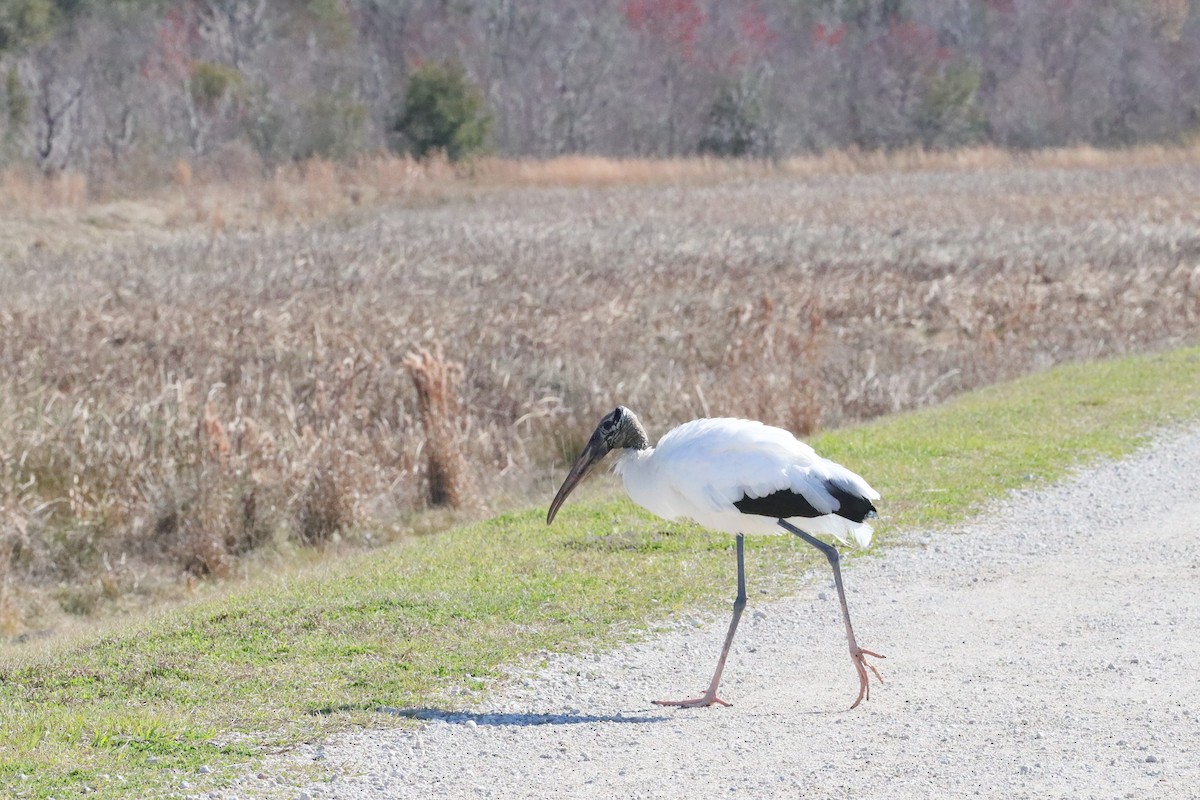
629, 456
644, 483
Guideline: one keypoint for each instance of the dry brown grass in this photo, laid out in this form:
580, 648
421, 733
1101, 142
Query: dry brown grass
232, 190
436, 380
855, 162
597, 171
29, 191
175, 399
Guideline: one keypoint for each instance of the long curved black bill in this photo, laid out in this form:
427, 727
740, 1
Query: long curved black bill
591, 455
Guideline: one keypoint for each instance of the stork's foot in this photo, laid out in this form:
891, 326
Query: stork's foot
709, 699
857, 655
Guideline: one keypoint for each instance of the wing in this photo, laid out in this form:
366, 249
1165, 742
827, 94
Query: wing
727, 464
788, 503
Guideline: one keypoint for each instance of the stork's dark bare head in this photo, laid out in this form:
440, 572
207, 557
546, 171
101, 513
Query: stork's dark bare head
619, 430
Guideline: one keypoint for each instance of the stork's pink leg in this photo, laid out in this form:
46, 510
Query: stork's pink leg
857, 654
739, 604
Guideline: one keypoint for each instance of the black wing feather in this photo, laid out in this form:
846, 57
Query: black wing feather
785, 503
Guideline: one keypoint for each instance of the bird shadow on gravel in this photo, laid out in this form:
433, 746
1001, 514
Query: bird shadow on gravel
514, 719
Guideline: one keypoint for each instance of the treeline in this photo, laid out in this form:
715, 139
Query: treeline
93, 85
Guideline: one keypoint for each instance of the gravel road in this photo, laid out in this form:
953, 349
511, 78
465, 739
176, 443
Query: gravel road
1050, 649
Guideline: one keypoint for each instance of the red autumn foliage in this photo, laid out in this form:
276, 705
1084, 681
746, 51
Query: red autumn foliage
914, 44
828, 37
756, 31
674, 22
753, 37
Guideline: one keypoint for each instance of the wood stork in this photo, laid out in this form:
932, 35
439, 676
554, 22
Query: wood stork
737, 476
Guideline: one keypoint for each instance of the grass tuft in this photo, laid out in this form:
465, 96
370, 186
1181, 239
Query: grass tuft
436, 380
324, 512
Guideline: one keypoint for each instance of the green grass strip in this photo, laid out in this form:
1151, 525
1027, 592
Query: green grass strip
138, 709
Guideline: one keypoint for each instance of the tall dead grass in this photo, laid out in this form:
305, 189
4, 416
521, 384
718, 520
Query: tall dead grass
168, 409
436, 380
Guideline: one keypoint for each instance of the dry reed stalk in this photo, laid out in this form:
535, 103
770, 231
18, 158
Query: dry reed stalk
806, 410
436, 381
26, 190
213, 432
183, 173
11, 618
324, 509
205, 551
771, 366
68, 189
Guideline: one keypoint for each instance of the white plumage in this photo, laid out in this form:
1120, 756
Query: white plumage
701, 468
